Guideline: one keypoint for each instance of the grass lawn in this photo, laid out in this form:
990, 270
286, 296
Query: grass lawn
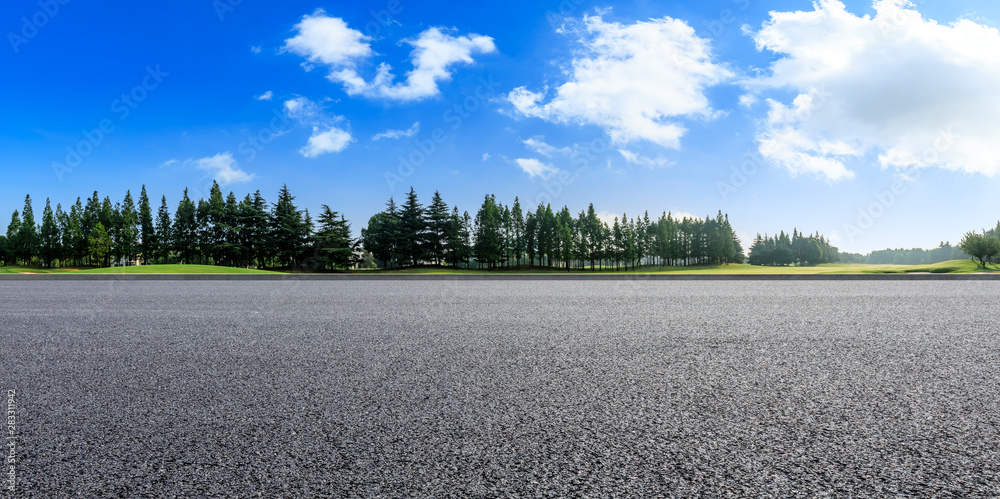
139, 269
949, 267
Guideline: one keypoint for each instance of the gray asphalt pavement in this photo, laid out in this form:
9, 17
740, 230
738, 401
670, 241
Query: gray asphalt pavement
486, 388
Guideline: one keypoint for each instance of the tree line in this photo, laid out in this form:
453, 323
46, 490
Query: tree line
218, 230
797, 249
502, 236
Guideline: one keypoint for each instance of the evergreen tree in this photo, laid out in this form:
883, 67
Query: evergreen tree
49, 240
412, 243
334, 244
128, 230
27, 236
13, 241
99, 244
439, 222
289, 231
185, 230
163, 232
147, 232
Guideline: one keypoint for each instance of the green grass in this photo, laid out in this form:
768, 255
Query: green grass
139, 269
949, 267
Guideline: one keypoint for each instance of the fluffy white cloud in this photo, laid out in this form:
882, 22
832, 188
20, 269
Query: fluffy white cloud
326, 141
911, 91
223, 168
329, 41
535, 168
326, 136
326, 40
266, 95
635, 81
398, 134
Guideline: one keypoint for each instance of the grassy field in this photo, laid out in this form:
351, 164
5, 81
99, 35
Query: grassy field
140, 269
949, 267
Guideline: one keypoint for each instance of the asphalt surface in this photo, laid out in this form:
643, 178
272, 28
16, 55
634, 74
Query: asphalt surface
523, 388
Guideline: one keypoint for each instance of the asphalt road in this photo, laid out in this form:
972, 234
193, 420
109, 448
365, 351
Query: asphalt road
524, 388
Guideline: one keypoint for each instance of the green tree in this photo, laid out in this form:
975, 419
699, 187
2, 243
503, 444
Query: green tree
147, 231
163, 232
99, 243
439, 222
128, 230
980, 246
49, 238
184, 230
334, 244
412, 243
289, 230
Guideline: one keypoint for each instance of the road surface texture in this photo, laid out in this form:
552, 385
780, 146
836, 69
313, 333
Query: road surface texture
517, 388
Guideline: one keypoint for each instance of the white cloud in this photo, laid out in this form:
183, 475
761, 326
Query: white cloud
638, 159
748, 100
539, 146
223, 167
322, 142
535, 168
911, 91
266, 95
326, 136
486, 156
635, 81
328, 41
169, 162
255, 49
398, 134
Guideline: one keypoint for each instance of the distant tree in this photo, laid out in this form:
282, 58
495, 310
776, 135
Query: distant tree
379, 238
980, 246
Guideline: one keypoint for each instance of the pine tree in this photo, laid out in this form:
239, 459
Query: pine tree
185, 230
163, 231
49, 240
438, 222
289, 231
128, 229
413, 224
147, 232
334, 244
13, 238
27, 236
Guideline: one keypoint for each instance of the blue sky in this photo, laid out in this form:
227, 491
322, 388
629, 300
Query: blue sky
871, 123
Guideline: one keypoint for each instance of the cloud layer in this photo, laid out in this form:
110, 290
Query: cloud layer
329, 41
894, 86
635, 81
